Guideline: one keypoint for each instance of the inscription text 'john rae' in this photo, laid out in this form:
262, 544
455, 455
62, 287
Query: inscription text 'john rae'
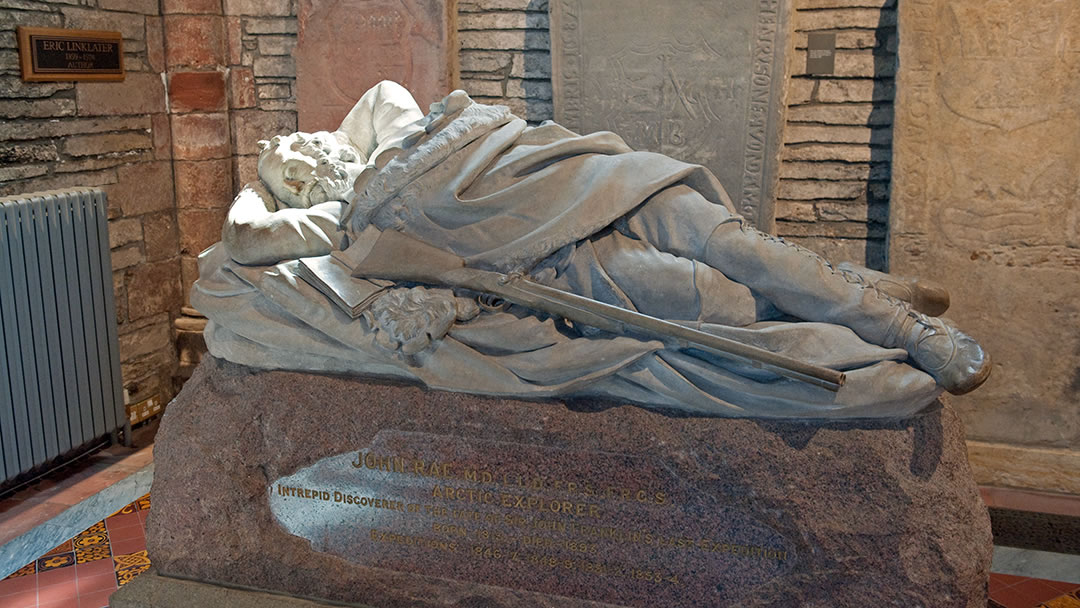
452, 507
59, 54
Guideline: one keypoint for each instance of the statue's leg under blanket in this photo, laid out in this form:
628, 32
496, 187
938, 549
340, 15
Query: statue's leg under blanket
617, 269
801, 283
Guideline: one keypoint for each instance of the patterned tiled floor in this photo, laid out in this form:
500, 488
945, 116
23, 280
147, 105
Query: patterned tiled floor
84, 571
1008, 591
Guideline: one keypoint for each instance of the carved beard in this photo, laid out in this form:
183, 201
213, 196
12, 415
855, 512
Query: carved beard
323, 189
331, 182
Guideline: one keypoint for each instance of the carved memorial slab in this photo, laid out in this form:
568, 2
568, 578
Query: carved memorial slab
347, 46
986, 179
699, 81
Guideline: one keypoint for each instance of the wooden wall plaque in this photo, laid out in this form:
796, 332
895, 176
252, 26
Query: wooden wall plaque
47, 53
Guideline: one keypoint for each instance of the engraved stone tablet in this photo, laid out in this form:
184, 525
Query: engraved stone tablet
593, 525
985, 191
347, 46
697, 80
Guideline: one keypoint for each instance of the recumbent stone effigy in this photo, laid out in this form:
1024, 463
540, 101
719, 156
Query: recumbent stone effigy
375, 251
582, 214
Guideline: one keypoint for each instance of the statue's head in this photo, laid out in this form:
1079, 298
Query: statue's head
305, 169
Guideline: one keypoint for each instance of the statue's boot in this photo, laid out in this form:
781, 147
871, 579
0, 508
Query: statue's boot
924, 296
801, 283
938, 348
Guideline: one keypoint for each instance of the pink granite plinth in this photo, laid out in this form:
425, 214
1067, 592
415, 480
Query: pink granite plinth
366, 492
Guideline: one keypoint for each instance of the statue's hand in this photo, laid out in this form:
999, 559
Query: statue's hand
410, 320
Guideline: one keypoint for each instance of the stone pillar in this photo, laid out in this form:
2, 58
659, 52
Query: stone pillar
984, 199
347, 46
198, 108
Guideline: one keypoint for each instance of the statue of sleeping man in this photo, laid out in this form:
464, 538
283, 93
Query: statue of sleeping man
583, 214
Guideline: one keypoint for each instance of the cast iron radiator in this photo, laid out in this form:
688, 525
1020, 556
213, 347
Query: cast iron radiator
59, 361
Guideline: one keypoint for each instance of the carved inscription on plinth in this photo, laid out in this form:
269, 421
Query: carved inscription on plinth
599, 526
347, 46
699, 81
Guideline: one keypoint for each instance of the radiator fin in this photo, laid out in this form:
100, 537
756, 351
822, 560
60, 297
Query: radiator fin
60, 382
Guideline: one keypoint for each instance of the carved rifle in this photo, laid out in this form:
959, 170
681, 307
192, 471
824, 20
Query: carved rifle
395, 256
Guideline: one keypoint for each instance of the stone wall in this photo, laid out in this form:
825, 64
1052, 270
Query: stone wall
115, 135
987, 201
834, 176
231, 82
261, 36
833, 193
170, 144
506, 54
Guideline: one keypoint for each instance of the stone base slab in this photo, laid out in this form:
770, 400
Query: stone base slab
254, 470
151, 590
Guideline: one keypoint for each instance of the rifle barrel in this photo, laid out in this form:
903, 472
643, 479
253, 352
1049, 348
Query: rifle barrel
579, 309
399, 257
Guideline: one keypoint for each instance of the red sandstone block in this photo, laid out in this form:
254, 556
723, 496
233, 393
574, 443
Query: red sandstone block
249, 126
139, 93
203, 184
200, 136
191, 7
196, 41
199, 229
241, 88
234, 39
196, 92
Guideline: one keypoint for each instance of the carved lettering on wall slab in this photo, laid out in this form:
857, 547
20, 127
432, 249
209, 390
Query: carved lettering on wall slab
347, 46
697, 81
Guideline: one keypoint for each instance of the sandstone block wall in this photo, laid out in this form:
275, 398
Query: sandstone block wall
506, 55
833, 192
115, 135
987, 201
230, 78
170, 144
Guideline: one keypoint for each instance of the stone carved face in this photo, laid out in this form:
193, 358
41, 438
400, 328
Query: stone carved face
305, 169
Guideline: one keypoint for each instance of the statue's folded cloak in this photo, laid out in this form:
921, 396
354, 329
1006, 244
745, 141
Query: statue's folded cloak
482, 184
503, 195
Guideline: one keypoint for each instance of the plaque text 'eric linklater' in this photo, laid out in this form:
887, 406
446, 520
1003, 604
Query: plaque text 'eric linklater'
59, 54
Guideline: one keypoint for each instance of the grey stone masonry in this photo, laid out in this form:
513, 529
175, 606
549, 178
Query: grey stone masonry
115, 135
506, 54
835, 164
833, 194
